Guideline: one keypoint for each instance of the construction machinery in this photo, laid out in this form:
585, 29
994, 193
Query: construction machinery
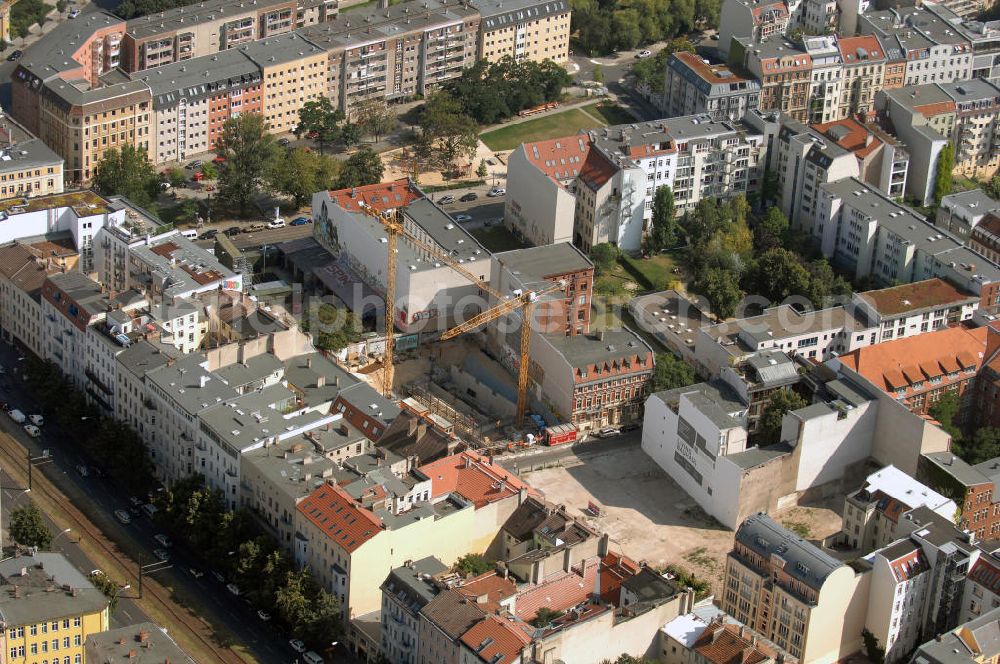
393, 229
523, 301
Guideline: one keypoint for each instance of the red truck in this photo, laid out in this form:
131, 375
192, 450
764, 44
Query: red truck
560, 434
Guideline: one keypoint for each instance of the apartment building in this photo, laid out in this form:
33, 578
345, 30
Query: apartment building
971, 488
23, 270
754, 20
692, 86
534, 30
921, 369
985, 237
961, 212
900, 587
883, 161
49, 607
981, 596
827, 77
912, 309
292, 72
872, 513
191, 100
540, 206
985, 404
405, 592
784, 70
935, 50
866, 232
395, 53
977, 127
28, 167
793, 593
591, 380
125, 643
193, 31
427, 290
864, 69
566, 311
972, 641
708, 636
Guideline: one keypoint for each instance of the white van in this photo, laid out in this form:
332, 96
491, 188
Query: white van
312, 658
190, 234
17, 416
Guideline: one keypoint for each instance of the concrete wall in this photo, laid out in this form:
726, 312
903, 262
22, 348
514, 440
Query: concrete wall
537, 207
745, 491
835, 624
490, 402
826, 444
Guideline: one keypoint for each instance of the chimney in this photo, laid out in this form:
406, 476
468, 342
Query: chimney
143, 636
309, 363
320, 381
132, 654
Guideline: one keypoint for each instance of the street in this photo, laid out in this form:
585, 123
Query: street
98, 499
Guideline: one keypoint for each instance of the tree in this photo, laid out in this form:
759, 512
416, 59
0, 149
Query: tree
209, 171
545, 616
629, 659
374, 117
777, 275
363, 167
943, 178
671, 372
598, 74
983, 446
945, 410
320, 121
300, 173
445, 131
721, 289
27, 527
770, 231
664, 230
769, 425
825, 283
338, 327
176, 177
482, 172
107, 585
489, 92
872, 649
627, 28
604, 256
322, 619
127, 171
249, 152
473, 564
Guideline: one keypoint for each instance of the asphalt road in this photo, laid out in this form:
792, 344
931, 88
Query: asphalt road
98, 499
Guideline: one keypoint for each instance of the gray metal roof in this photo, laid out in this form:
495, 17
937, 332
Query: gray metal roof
319, 379
65, 39
369, 24
184, 17
412, 585
83, 290
19, 150
279, 49
142, 356
948, 648
581, 350
48, 586
803, 561
758, 456
502, 13
188, 384
958, 469
715, 400
974, 201
773, 367
199, 78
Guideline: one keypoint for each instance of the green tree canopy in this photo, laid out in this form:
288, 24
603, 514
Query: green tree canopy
671, 372
300, 173
771, 230
374, 117
127, 171
604, 256
769, 426
489, 92
321, 121
982, 446
474, 564
722, 290
447, 134
945, 410
943, 177
361, 168
27, 527
249, 152
664, 227
777, 274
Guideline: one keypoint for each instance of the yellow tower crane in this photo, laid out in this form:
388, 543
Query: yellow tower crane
393, 229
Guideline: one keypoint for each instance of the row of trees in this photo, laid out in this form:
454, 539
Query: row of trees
231, 543
605, 26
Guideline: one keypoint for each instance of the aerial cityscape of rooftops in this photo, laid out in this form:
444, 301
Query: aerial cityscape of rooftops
500, 331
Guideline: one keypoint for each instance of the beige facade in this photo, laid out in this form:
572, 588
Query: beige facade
293, 73
524, 30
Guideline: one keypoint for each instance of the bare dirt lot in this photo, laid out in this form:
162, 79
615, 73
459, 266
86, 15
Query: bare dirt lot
649, 517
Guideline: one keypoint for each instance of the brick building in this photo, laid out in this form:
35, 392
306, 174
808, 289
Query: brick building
968, 486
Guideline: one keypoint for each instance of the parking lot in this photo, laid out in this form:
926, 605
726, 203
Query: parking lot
647, 515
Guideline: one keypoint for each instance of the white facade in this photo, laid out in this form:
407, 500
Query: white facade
827, 76
539, 207
900, 584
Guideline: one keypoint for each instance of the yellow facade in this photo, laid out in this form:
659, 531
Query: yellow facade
289, 85
540, 39
5, 6
32, 182
57, 641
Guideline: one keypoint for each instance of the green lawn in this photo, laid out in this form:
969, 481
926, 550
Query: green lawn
612, 114
567, 123
497, 238
648, 274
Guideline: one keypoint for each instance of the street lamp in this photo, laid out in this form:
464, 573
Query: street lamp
61, 533
157, 566
45, 457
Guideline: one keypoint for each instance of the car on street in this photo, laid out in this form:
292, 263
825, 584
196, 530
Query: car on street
297, 645
74, 13
471, 196
445, 200
644, 53
608, 432
284, 142
83, 470
217, 575
218, 161
715, 37
195, 165
37, 419
300, 221
196, 573
32, 430
162, 554
135, 501
163, 540
123, 516
496, 191
233, 230
210, 234
233, 588
263, 615
276, 223
15, 56
95, 572
462, 217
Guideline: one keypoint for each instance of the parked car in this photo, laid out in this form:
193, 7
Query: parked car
210, 234
471, 196
149, 509
83, 470
233, 588
300, 221
32, 430
163, 540
312, 657
135, 502
74, 13
233, 230
218, 161
445, 200
95, 572
218, 576
162, 554
297, 645
276, 223
17, 416
263, 615
16, 55
253, 228
462, 217
608, 432
284, 142
496, 191
196, 573
37, 419
123, 516
194, 165
644, 53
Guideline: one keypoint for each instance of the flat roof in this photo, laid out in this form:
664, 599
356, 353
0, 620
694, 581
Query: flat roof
498, 14
45, 586
279, 49
957, 468
715, 400
190, 385
65, 39
544, 262
915, 297
84, 203
198, 77
582, 350
372, 24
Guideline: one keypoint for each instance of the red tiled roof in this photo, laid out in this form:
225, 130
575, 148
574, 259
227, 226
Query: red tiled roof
909, 565
381, 196
932, 352
488, 590
614, 570
333, 511
936, 108
857, 140
597, 170
165, 249
986, 572
471, 476
559, 158
860, 50
560, 592
723, 643
706, 72
496, 636
778, 7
